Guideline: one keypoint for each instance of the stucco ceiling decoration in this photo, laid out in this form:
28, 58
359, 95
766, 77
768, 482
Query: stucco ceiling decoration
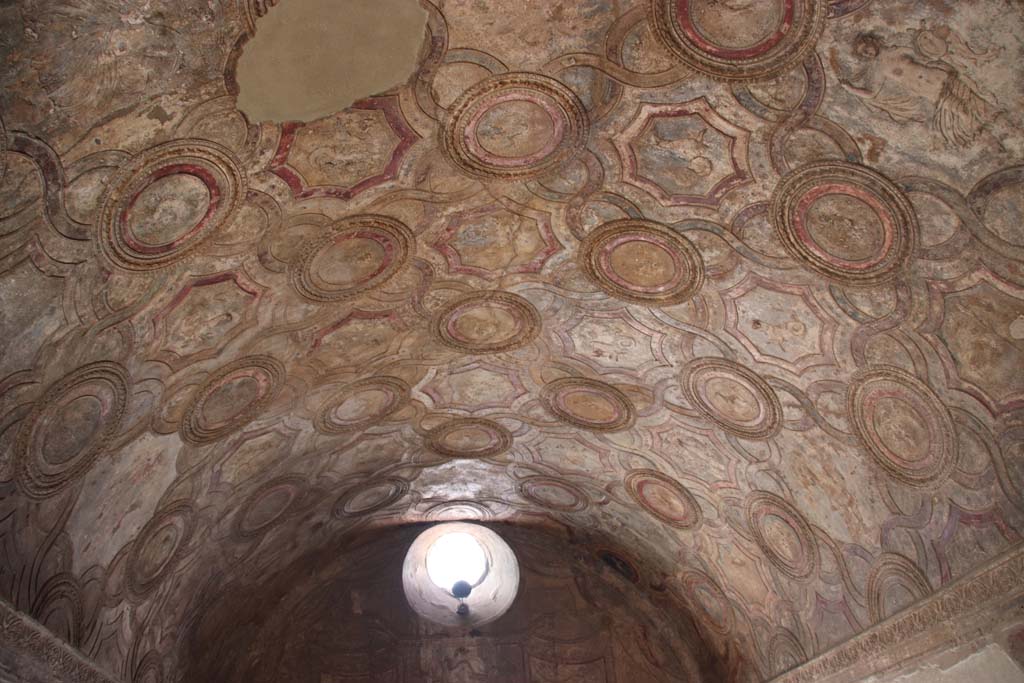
356, 255
487, 322
166, 202
159, 547
268, 506
732, 396
362, 404
846, 221
69, 427
719, 301
469, 438
642, 262
709, 37
904, 426
231, 398
589, 404
514, 125
665, 498
782, 533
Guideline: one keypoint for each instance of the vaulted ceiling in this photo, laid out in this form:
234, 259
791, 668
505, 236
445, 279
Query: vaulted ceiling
729, 293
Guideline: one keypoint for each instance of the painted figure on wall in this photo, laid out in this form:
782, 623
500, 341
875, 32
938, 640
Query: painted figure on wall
928, 83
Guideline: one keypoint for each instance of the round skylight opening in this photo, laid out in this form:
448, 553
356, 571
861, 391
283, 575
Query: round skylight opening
460, 574
454, 557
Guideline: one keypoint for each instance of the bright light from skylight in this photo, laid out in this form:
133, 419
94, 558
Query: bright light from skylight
456, 557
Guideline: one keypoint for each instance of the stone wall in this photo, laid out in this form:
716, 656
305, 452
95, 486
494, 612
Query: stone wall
972, 629
31, 654
991, 664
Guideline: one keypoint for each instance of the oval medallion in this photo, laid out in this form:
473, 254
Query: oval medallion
166, 201
782, 534
370, 496
664, 498
355, 255
267, 507
487, 322
553, 494
732, 396
642, 262
904, 426
361, 405
589, 404
231, 398
739, 40
846, 222
69, 427
514, 125
159, 547
469, 438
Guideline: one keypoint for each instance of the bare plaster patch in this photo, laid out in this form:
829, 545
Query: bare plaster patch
311, 58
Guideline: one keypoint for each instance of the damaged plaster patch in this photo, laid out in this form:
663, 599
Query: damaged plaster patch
1017, 328
311, 58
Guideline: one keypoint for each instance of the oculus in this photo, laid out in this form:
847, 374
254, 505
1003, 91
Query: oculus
460, 575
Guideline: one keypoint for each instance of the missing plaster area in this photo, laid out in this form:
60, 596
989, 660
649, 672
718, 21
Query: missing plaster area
311, 58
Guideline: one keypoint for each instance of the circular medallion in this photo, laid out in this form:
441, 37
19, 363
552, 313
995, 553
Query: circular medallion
553, 494
164, 202
903, 425
782, 534
642, 262
69, 427
159, 547
894, 583
361, 405
267, 506
514, 125
487, 322
664, 498
846, 222
732, 396
355, 255
739, 40
713, 607
589, 404
469, 438
370, 496
231, 398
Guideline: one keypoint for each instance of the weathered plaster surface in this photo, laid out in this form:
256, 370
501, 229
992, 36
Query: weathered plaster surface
733, 288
